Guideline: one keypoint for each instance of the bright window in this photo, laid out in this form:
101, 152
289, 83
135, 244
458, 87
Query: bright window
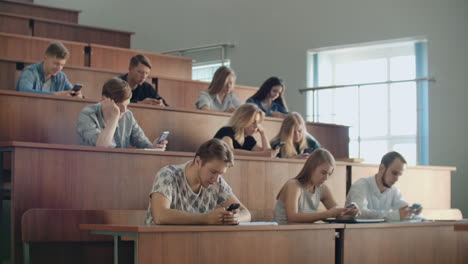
204, 71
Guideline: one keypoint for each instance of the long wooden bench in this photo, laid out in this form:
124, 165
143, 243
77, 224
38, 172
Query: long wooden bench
31, 49
41, 27
52, 119
117, 59
73, 177
29, 9
177, 92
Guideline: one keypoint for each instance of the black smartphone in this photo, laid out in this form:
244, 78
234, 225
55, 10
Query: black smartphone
163, 136
233, 207
77, 87
308, 150
281, 144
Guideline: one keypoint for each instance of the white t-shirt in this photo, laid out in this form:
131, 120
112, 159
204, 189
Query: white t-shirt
374, 204
47, 85
171, 182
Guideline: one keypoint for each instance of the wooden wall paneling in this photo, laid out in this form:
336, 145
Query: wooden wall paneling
14, 24
117, 59
15, 46
35, 10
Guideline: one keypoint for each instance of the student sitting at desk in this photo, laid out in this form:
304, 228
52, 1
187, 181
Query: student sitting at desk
299, 198
298, 143
142, 91
195, 192
47, 77
110, 124
220, 94
377, 197
270, 98
242, 126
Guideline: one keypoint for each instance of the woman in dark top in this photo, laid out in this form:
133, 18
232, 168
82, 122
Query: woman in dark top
297, 142
239, 134
270, 98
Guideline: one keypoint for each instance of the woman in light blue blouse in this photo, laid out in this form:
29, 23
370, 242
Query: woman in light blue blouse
270, 98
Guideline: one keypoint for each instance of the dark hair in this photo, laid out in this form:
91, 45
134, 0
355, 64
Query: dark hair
388, 158
265, 90
215, 149
117, 90
140, 58
57, 50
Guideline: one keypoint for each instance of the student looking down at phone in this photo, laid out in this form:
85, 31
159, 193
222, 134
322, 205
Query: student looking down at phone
47, 77
110, 124
270, 98
195, 192
299, 198
298, 143
142, 92
377, 197
243, 125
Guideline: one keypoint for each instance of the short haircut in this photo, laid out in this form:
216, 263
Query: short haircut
117, 90
140, 58
57, 50
215, 149
388, 158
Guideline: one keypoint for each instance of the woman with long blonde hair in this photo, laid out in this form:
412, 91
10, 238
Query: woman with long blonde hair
239, 133
300, 197
220, 94
298, 143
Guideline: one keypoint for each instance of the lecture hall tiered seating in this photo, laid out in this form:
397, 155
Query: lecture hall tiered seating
51, 186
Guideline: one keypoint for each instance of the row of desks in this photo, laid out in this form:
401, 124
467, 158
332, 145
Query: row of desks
84, 54
73, 177
429, 242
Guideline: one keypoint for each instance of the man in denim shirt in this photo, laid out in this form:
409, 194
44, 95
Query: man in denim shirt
47, 77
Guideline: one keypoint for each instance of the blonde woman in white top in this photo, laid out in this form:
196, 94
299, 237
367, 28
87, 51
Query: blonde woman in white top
300, 197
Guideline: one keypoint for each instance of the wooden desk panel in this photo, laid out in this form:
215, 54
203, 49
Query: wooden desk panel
36, 10
59, 176
31, 49
403, 243
429, 186
236, 244
117, 59
75, 32
14, 24
60, 124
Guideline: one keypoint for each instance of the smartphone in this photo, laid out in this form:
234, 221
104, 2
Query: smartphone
233, 207
308, 150
77, 87
416, 207
351, 205
163, 136
280, 145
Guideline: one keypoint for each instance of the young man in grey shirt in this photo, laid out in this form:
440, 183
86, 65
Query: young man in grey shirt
110, 124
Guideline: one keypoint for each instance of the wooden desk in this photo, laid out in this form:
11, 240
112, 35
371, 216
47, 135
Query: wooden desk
29, 9
15, 24
31, 49
41, 27
418, 184
186, 132
117, 59
228, 244
432, 242
72, 177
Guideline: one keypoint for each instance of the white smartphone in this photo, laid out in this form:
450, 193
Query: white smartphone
163, 136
